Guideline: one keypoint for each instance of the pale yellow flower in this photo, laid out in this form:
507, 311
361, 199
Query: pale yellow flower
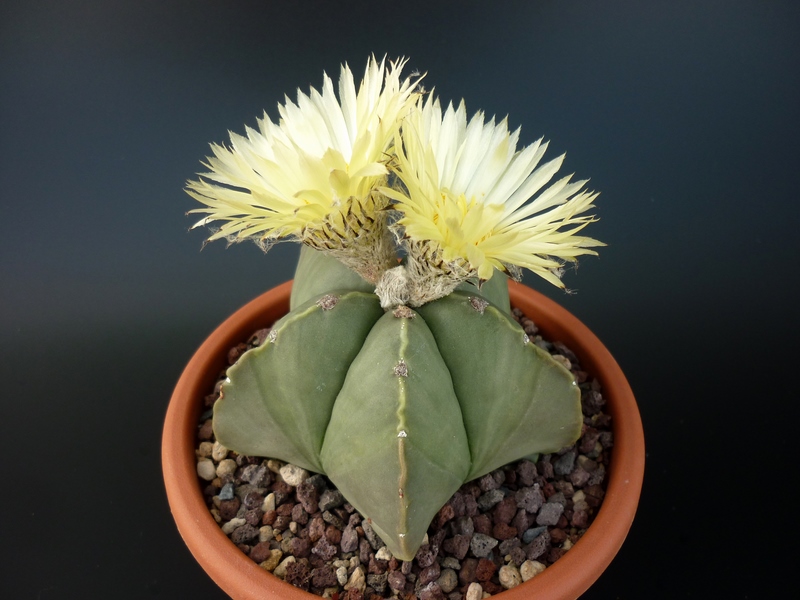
313, 175
465, 209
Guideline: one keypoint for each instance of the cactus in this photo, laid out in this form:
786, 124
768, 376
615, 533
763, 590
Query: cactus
399, 380
397, 408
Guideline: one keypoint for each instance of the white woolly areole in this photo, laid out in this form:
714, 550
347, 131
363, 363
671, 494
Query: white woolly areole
392, 287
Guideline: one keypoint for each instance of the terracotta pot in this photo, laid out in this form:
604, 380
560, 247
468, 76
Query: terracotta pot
242, 579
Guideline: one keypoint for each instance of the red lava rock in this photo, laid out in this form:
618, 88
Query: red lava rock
526, 472
298, 574
589, 440
457, 504
501, 531
446, 513
324, 549
463, 526
545, 469
299, 515
253, 517
470, 505
580, 519
457, 545
518, 556
323, 577
301, 547
206, 431
558, 536
260, 552
485, 569
349, 541
505, 510
235, 352
308, 496
333, 535
467, 573
243, 534
521, 521
284, 510
429, 574
483, 524
431, 591
488, 483
538, 546
511, 478
282, 523
229, 508
426, 555
396, 580
549, 514
316, 529
579, 477
529, 498
269, 517
554, 554
364, 551
376, 566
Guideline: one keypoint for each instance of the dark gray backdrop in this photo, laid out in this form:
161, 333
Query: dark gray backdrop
684, 115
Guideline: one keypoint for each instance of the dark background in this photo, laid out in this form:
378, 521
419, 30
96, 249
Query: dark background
684, 115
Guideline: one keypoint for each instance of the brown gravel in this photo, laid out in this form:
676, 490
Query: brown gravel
522, 512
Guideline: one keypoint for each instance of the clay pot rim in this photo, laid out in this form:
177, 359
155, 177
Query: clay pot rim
242, 579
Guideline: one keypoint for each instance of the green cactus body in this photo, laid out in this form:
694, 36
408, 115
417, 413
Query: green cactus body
397, 408
514, 396
281, 394
396, 446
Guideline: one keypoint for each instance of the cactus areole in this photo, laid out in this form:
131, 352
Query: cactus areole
398, 408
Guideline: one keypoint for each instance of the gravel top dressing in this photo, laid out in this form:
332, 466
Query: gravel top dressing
494, 533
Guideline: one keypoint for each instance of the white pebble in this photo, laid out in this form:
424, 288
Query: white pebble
341, 575
383, 554
228, 528
329, 592
205, 469
294, 475
204, 449
474, 592
265, 533
509, 576
269, 502
274, 465
219, 452
226, 467
530, 568
563, 360
357, 581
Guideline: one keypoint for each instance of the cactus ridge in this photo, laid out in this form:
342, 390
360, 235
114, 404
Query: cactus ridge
396, 445
516, 400
277, 402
